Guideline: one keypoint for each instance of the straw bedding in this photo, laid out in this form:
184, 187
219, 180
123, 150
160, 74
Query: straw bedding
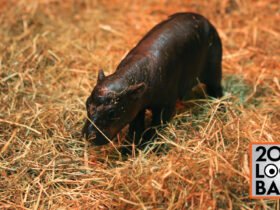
50, 52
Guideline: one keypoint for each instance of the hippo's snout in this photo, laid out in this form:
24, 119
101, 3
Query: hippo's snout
93, 135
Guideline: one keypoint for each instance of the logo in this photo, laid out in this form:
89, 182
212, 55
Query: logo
265, 170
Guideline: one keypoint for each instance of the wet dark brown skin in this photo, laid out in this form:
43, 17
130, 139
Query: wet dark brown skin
163, 67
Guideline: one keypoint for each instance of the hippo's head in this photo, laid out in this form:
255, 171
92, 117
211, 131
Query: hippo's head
111, 105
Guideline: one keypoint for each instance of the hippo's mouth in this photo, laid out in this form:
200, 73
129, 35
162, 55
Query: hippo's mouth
94, 136
98, 139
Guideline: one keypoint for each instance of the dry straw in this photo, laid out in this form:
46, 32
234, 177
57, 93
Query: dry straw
50, 51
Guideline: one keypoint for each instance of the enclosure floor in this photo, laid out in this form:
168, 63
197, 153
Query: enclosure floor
50, 52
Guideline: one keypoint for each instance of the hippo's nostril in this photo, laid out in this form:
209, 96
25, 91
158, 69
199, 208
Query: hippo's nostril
91, 136
87, 129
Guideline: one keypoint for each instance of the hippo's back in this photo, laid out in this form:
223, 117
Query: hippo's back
171, 56
179, 32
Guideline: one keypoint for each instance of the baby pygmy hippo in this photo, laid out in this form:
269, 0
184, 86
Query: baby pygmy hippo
162, 68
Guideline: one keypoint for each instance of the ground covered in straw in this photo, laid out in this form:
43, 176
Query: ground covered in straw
50, 52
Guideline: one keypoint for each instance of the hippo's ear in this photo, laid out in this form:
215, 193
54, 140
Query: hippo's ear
101, 76
136, 91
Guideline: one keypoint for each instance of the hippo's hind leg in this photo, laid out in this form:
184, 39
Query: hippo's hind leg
213, 80
212, 74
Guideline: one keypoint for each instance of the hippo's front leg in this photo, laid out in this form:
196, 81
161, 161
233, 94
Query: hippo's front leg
136, 128
161, 115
